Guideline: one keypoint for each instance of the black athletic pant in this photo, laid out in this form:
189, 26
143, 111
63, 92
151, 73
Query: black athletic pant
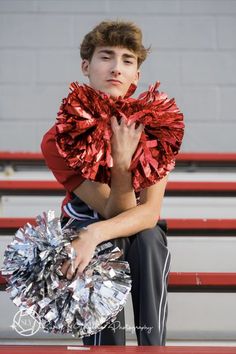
149, 260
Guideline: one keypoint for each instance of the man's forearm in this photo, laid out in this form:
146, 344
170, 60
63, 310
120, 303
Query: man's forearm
125, 224
122, 196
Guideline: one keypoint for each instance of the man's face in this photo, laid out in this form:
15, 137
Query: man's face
112, 70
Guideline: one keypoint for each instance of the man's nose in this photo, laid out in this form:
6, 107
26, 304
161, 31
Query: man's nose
116, 69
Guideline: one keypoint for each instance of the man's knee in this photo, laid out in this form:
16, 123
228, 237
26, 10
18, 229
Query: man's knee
152, 237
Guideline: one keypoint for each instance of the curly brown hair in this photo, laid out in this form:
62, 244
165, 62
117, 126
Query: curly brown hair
114, 34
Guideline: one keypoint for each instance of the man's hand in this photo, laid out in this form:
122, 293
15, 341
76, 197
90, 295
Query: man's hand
84, 246
124, 141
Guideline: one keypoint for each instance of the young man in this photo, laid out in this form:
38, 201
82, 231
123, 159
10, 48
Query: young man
111, 57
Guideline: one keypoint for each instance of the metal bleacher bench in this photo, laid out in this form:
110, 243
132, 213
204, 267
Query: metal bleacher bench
178, 281
198, 176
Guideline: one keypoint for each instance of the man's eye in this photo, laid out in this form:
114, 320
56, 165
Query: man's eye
128, 62
106, 58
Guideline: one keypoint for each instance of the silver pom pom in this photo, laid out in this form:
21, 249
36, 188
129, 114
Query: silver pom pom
81, 306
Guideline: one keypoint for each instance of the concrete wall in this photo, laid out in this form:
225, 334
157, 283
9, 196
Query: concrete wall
193, 55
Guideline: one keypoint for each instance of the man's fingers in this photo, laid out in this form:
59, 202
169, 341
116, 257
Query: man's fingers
69, 270
81, 267
130, 125
65, 266
78, 271
70, 273
140, 128
72, 269
114, 123
123, 122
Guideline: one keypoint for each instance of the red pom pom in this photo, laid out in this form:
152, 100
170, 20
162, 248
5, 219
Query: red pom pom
84, 133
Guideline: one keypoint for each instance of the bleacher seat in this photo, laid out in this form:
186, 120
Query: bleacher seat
199, 207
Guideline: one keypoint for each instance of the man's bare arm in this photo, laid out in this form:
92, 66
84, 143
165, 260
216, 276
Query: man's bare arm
127, 223
121, 196
141, 217
107, 201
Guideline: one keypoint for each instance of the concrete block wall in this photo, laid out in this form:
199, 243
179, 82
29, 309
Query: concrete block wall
193, 55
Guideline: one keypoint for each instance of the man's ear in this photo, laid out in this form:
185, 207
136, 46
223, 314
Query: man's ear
85, 67
135, 82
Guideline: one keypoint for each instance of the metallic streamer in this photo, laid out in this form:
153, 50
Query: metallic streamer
81, 306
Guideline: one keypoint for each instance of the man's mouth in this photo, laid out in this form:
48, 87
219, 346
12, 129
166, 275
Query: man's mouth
114, 81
